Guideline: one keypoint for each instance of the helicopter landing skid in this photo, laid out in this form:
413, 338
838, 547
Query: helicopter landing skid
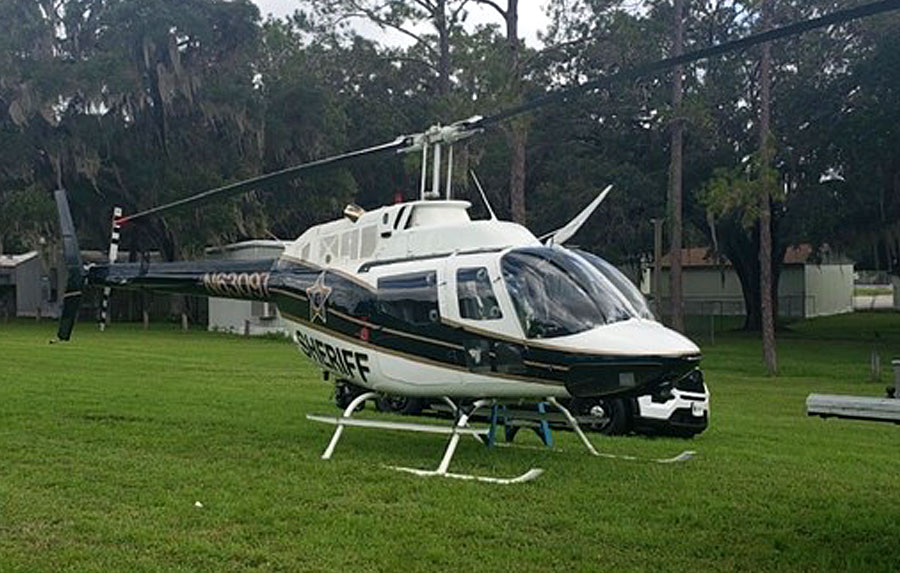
458, 429
573, 423
531, 474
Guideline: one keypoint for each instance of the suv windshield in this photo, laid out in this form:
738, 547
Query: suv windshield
556, 293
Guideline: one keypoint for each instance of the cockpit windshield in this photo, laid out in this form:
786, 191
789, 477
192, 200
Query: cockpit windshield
621, 282
556, 293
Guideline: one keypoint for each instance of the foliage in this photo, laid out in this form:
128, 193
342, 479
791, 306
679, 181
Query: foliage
27, 218
738, 191
132, 103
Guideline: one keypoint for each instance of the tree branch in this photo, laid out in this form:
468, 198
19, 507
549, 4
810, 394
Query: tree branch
366, 13
425, 63
493, 5
456, 12
553, 49
428, 6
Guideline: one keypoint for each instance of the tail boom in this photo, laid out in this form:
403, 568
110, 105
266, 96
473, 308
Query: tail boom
238, 279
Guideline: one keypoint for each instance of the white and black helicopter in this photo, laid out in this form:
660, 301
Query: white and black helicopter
418, 303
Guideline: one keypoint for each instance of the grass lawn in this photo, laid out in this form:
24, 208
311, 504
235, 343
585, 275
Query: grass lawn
107, 442
872, 290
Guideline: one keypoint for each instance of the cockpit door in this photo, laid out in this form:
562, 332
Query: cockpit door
475, 301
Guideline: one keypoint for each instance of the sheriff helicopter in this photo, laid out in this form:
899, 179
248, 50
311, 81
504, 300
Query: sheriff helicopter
417, 300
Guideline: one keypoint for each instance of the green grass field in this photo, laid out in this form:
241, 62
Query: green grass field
107, 442
872, 290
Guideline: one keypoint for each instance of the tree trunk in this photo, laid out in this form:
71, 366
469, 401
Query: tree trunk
765, 205
440, 21
518, 133
512, 29
675, 177
742, 250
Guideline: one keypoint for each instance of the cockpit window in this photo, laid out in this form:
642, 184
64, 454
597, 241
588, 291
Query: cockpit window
475, 295
555, 293
621, 282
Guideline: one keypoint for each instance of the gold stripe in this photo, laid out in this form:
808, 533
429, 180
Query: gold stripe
289, 293
423, 339
385, 329
537, 364
338, 272
376, 348
358, 321
482, 332
420, 359
537, 344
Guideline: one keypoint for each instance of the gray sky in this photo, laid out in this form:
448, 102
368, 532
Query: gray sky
531, 19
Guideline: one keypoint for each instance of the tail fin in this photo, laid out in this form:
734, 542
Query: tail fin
74, 267
564, 233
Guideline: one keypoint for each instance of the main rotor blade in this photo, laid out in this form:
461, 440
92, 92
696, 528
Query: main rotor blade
268, 179
838, 17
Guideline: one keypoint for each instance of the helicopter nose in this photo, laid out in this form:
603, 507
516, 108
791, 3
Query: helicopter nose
629, 356
634, 337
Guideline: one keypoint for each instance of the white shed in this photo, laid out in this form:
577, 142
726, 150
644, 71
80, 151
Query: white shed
242, 316
26, 288
805, 288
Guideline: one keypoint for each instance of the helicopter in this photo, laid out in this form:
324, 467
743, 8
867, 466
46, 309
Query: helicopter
417, 301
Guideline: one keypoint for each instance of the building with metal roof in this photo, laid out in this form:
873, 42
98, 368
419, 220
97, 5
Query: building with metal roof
26, 288
808, 285
243, 316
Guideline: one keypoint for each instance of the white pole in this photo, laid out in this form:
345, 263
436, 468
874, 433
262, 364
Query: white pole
424, 171
113, 255
436, 172
449, 172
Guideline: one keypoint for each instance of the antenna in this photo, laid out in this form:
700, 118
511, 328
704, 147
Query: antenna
483, 195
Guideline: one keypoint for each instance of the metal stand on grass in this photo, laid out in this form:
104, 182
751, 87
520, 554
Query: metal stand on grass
859, 407
500, 415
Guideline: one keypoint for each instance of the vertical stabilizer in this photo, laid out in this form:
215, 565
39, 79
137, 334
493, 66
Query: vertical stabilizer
74, 267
